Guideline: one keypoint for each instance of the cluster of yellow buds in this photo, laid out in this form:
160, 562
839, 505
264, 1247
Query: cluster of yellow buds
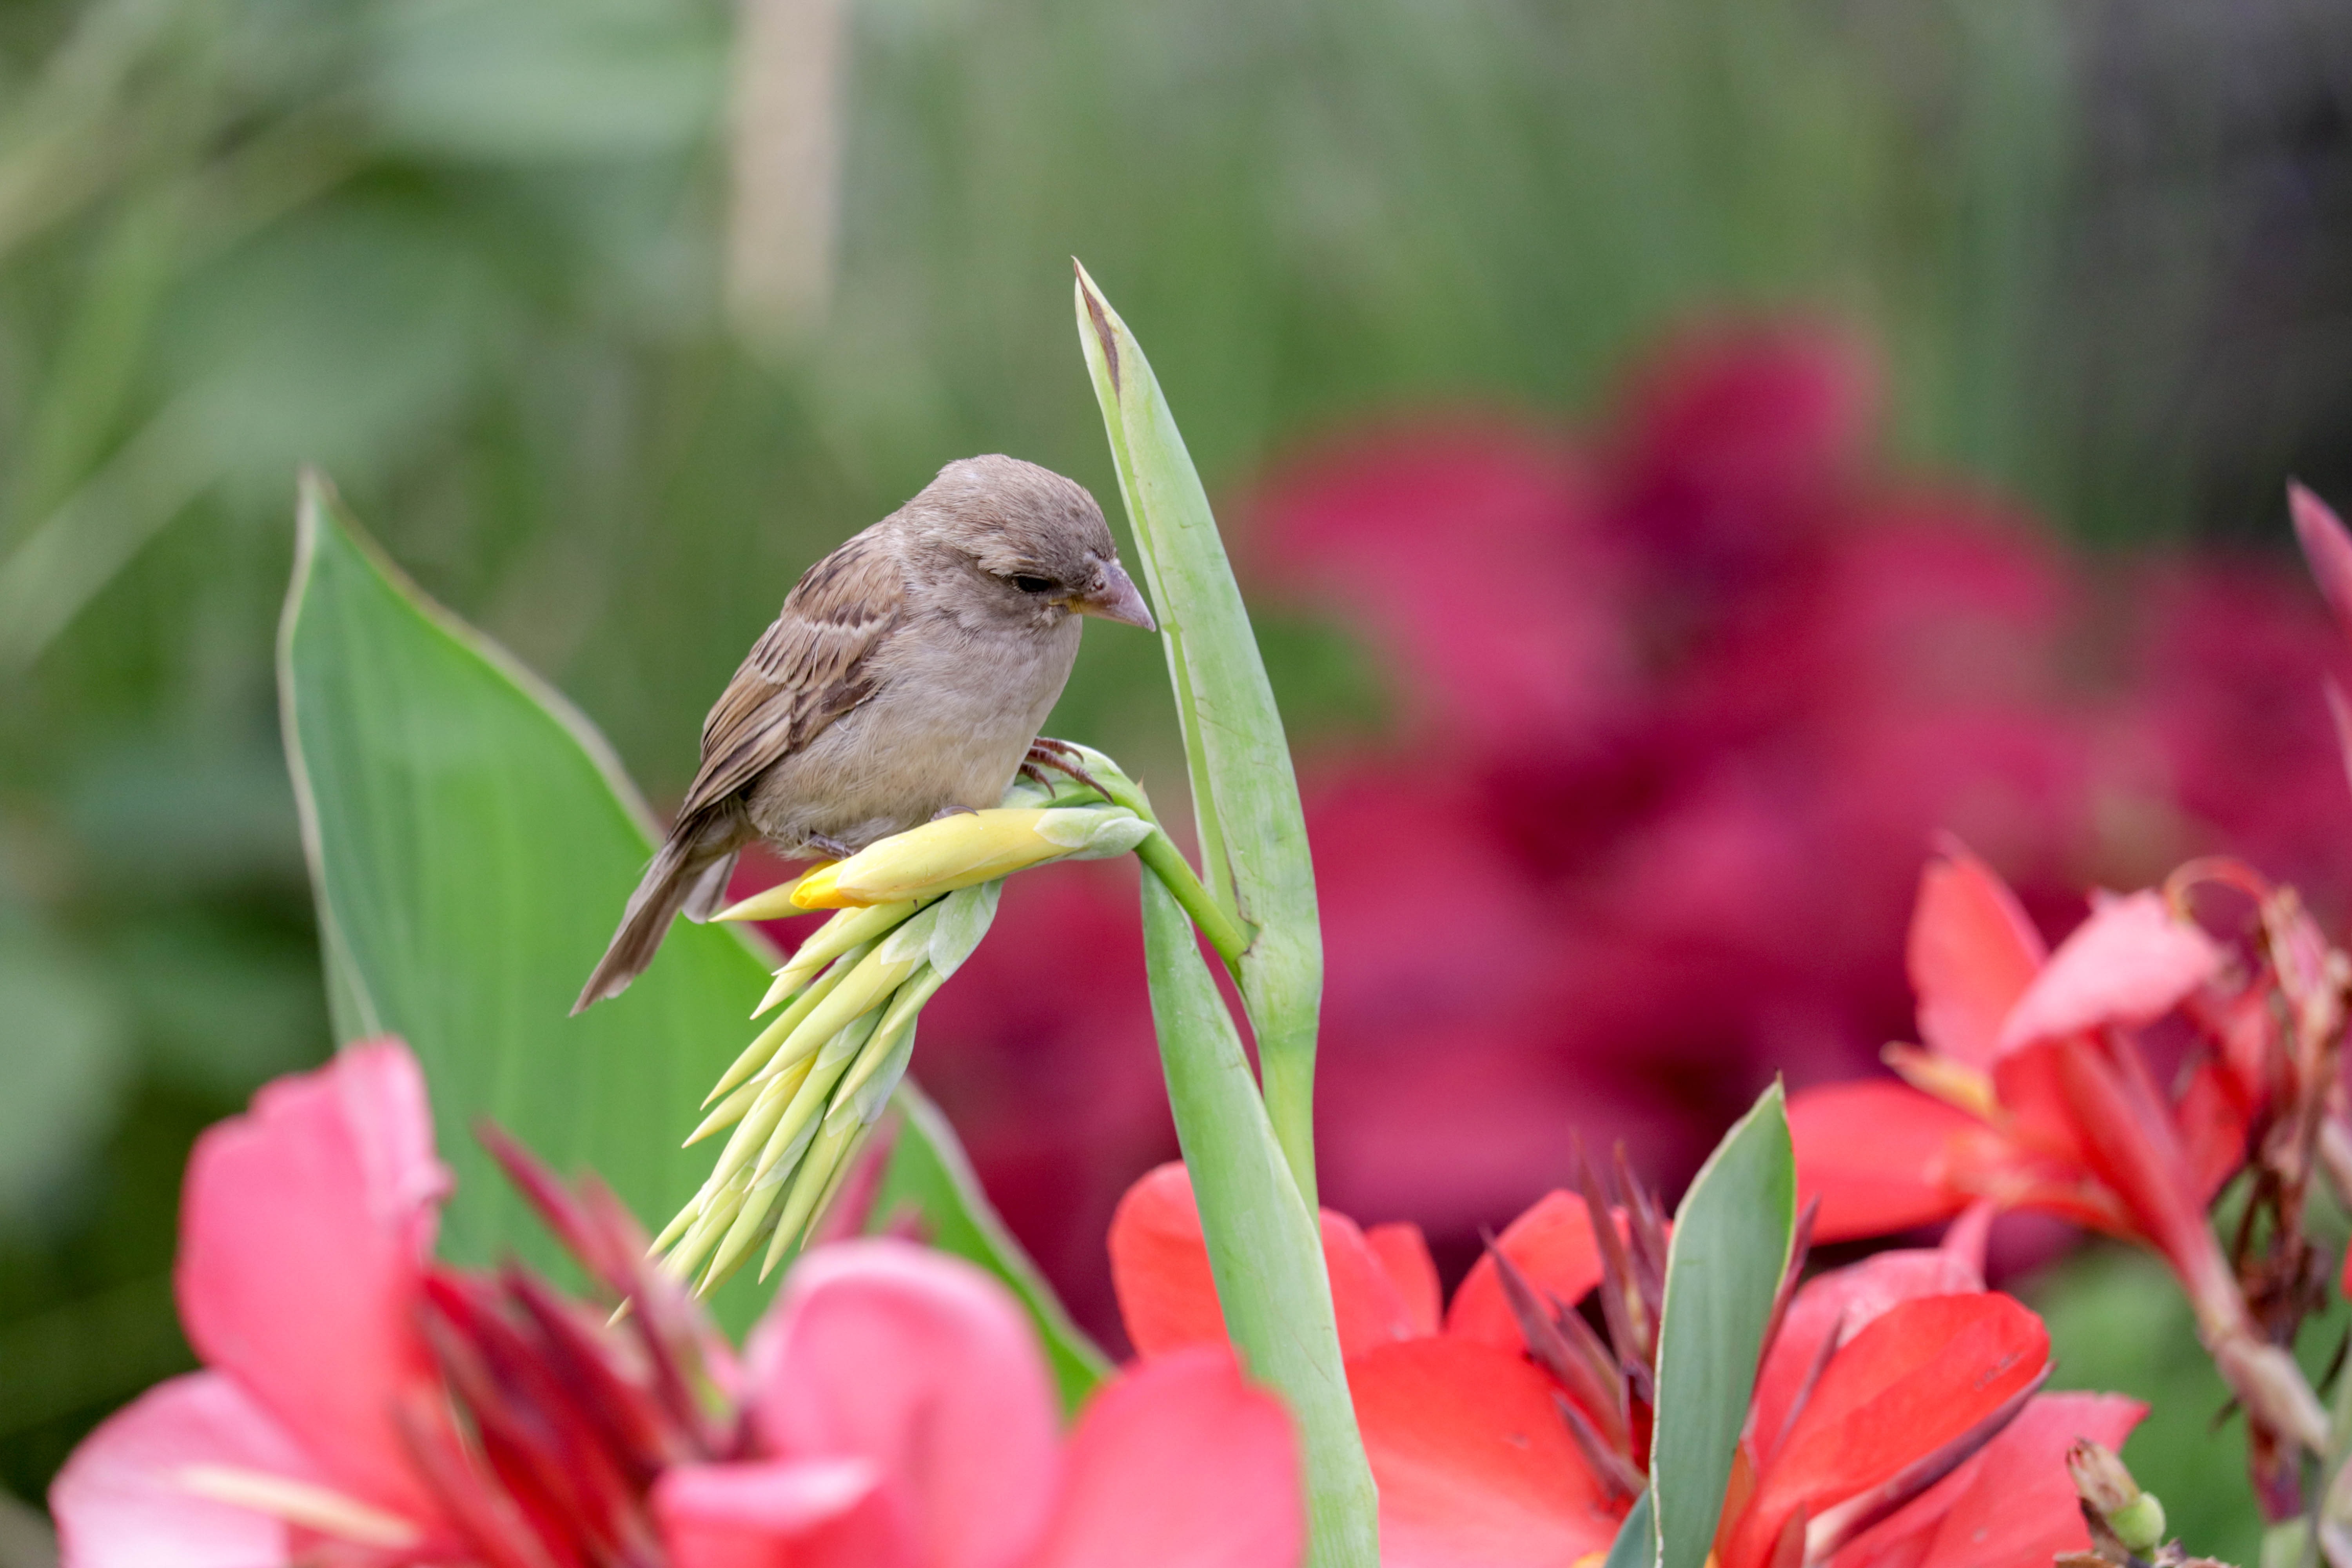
805, 1092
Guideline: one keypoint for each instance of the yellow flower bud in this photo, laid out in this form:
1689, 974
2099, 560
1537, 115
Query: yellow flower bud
966, 849
768, 904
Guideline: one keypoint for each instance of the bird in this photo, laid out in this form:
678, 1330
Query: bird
905, 679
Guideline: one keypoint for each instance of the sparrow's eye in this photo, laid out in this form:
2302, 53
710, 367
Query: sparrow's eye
1034, 585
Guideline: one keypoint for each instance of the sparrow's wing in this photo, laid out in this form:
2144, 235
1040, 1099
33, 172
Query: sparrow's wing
806, 670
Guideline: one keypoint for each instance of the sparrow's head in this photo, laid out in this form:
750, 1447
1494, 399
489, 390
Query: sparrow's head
1035, 543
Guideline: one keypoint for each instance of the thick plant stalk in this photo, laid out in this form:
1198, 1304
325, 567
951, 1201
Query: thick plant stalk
1263, 1246
1244, 795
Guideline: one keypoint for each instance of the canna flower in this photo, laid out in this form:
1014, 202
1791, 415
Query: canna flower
361, 1405
1896, 1422
364, 1407
2032, 1090
1992, 1105
904, 1418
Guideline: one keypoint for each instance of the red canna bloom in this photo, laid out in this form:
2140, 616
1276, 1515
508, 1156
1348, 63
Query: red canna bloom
362, 1406
2033, 1088
1894, 1423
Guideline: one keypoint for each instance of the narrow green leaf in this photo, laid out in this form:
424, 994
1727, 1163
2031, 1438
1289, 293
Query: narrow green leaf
1636, 1545
1245, 794
1264, 1248
472, 839
1730, 1249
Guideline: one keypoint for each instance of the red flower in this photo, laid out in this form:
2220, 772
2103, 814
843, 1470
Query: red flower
1898, 1384
2032, 1090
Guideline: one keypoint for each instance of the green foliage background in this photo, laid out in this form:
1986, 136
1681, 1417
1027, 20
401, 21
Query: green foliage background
469, 254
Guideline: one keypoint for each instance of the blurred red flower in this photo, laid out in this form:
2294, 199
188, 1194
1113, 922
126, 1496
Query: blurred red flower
1894, 1422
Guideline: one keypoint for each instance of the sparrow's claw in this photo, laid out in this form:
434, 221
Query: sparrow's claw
831, 847
1045, 751
947, 811
1028, 770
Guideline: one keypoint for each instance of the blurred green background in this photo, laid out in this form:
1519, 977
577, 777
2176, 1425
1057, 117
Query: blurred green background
609, 315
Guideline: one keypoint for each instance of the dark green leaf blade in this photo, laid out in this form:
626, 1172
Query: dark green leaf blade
472, 840
1731, 1241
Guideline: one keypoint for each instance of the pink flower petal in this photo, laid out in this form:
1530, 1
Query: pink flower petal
1180, 1464
925, 1367
2326, 547
2130, 962
1972, 954
794, 1513
120, 1503
303, 1225
1474, 1463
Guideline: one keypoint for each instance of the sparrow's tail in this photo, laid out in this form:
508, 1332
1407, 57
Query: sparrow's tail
688, 874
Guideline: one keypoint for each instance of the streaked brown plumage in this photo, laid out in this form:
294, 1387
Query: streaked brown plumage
905, 677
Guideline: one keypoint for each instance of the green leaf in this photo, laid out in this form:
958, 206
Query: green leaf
472, 840
1245, 794
1636, 1545
1264, 1248
1730, 1250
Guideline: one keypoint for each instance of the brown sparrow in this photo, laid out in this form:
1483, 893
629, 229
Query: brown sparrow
906, 678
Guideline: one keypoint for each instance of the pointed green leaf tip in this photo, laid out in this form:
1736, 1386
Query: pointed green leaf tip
471, 840
1253, 830
1730, 1250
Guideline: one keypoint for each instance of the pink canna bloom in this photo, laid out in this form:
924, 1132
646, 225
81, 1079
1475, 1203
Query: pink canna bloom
1896, 1422
362, 1406
906, 1420
305, 1228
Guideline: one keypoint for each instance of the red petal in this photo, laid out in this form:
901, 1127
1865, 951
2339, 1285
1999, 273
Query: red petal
118, 1503
2018, 1505
1474, 1461
2326, 547
2213, 1123
1180, 1464
799, 1513
2130, 962
1553, 1246
925, 1367
1159, 1265
1372, 1311
1403, 1252
1972, 953
303, 1227
1874, 1153
2130, 1143
1168, 1297
1848, 1300
1922, 1373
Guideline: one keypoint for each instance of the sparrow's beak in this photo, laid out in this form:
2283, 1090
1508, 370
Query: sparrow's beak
1116, 600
